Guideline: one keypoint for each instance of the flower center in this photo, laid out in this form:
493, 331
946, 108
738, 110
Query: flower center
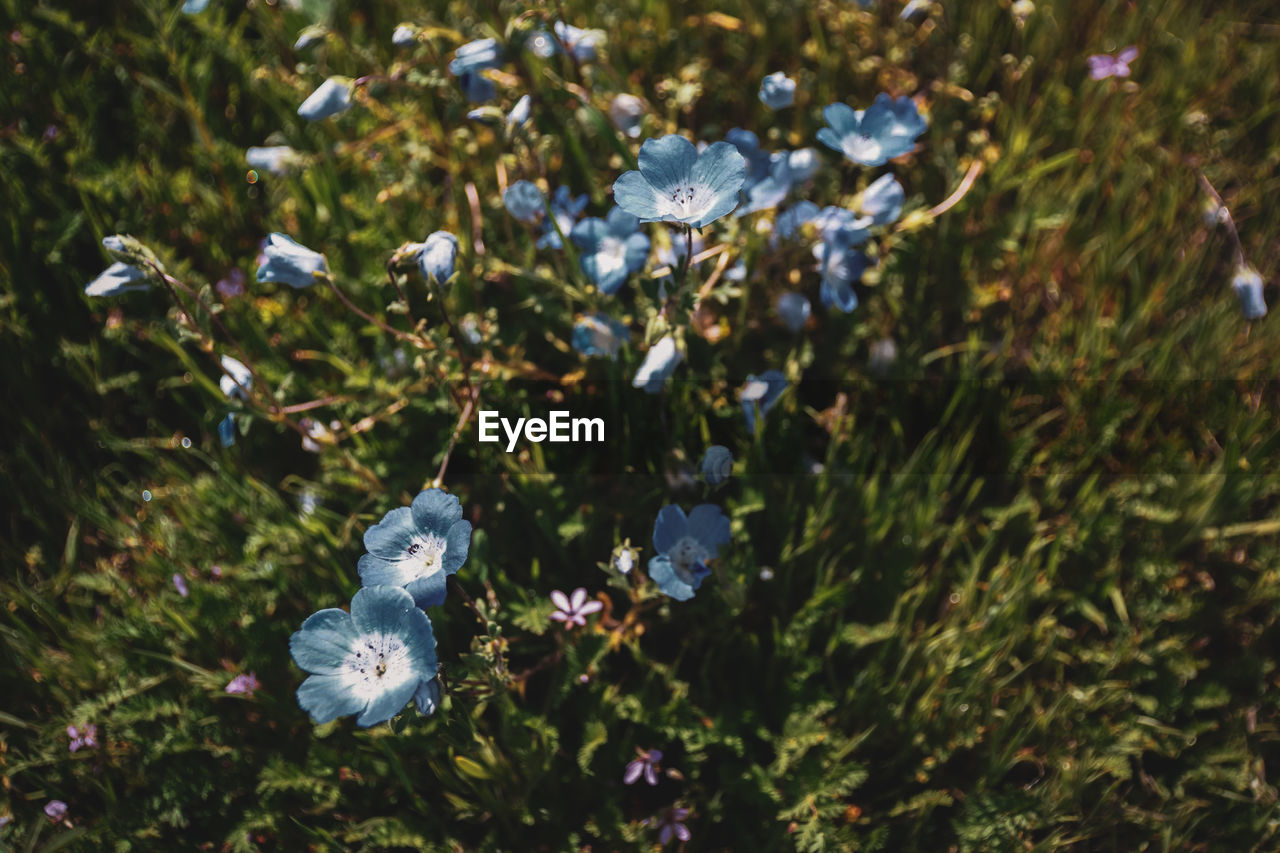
684, 555
425, 555
375, 663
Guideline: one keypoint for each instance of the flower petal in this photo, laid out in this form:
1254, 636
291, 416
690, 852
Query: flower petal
430, 591
664, 575
559, 599
377, 609
667, 163
709, 526
325, 698
458, 545
668, 528
387, 704
578, 598
392, 535
435, 511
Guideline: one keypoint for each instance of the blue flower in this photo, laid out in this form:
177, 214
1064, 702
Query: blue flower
520, 113
524, 201
684, 545
777, 91
759, 163
790, 221
1248, 287
611, 249
477, 87
786, 169
428, 697
289, 262
871, 137
841, 264
116, 279
194, 7
417, 547
370, 661
276, 159
580, 43
476, 56
659, 363
236, 378
717, 464
839, 223
311, 35
882, 201
676, 184
565, 210
405, 35
794, 310
438, 255
332, 97
599, 334
760, 395
626, 112
227, 430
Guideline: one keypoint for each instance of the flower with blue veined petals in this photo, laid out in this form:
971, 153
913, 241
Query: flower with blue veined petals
418, 547
525, 201
627, 112
882, 201
793, 308
1248, 286
599, 334
276, 159
761, 394
717, 464
236, 379
777, 91
565, 210
659, 363
872, 137
116, 279
438, 255
476, 56
289, 262
612, 248
684, 545
677, 184
369, 662
841, 264
330, 98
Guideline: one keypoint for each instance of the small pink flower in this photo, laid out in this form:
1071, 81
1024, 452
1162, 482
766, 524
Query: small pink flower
575, 611
88, 736
1103, 65
244, 684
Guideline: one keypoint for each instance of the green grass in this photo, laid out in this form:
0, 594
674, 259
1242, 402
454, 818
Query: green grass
1029, 602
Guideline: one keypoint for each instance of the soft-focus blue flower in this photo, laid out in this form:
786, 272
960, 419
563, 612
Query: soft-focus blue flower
793, 308
332, 97
405, 35
684, 545
761, 394
520, 113
791, 219
116, 279
839, 223
236, 378
778, 91
871, 137
195, 7
882, 201
913, 8
370, 661
580, 43
841, 264
542, 44
626, 112
276, 159
525, 201
311, 35
438, 256
646, 764
717, 464
785, 170
612, 248
881, 356
476, 87
428, 697
227, 430
676, 184
180, 584
759, 163
1248, 286
289, 262
565, 210
476, 56
659, 363
599, 334
418, 547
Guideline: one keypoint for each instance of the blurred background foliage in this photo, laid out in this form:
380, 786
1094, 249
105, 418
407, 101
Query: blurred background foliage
1016, 590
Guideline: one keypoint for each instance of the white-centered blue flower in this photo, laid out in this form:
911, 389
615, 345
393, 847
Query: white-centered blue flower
525, 201
684, 546
761, 394
599, 335
659, 363
793, 309
871, 137
581, 44
236, 379
116, 279
418, 547
717, 464
841, 264
1248, 287
276, 159
330, 98
882, 201
368, 662
777, 91
611, 248
790, 220
677, 184
627, 114
289, 262
565, 210
438, 256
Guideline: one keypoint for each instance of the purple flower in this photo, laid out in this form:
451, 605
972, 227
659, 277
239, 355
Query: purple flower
231, 286
180, 585
672, 823
243, 684
647, 764
575, 611
88, 736
56, 809
1102, 65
